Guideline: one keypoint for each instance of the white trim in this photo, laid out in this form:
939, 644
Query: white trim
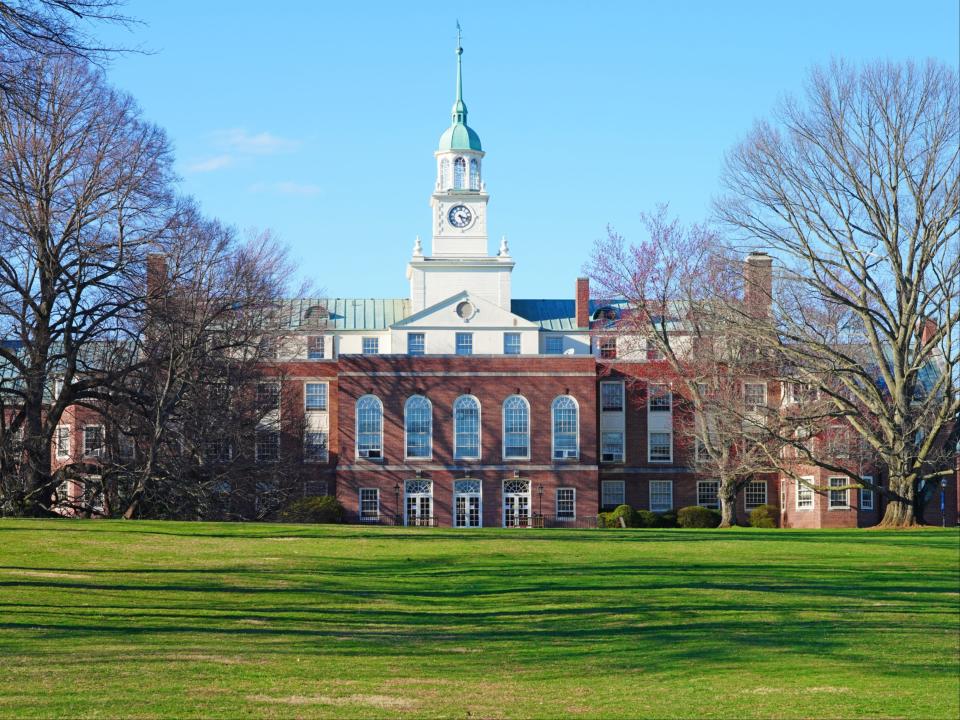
376, 492
418, 496
326, 407
669, 396
406, 445
650, 458
623, 449
553, 429
650, 493
765, 392
456, 455
503, 500
766, 495
807, 487
612, 483
478, 495
830, 505
623, 396
867, 492
556, 504
356, 428
66, 455
716, 504
503, 421
326, 447
103, 440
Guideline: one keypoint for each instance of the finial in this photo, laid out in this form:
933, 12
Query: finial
459, 107
417, 247
504, 248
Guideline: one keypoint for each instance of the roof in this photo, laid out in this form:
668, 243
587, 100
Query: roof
346, 313
459, 136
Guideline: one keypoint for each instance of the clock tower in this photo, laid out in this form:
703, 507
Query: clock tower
459, 199
459, 261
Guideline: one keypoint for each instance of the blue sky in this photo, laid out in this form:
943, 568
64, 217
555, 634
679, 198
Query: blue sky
319, 119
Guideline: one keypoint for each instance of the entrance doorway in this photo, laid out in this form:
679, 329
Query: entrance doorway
467, 504
418, 501
516, 503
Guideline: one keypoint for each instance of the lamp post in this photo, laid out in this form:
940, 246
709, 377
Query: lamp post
943, 502
396, 503
540, 500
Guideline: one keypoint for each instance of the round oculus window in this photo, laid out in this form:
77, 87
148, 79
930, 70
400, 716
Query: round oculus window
466, 310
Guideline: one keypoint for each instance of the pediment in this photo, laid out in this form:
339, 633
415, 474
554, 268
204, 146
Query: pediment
451, 313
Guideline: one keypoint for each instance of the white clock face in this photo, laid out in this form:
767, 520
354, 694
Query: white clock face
460, 216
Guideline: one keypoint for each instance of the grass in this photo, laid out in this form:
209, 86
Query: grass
115, 619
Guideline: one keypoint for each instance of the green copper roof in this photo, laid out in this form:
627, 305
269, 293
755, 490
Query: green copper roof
346, 313
459, 136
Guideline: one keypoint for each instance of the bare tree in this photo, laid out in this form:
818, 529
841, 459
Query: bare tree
85, 196
678, 285
856, 191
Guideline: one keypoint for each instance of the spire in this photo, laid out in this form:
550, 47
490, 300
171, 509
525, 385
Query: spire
459, 107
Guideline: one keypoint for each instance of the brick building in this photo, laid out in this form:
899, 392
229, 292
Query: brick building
462, 406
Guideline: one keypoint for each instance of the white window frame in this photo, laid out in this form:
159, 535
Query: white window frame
510, 335
371, 341
865, 493
553, 429
360, 501
609, 486
503, 420
621, 458
746, 491
467, 347
660, 508
765, 395
103, 441
325, 393
262, 396
325, 455
572, 501
316, 347
422, 343
650, 458
804, 484
64, 452
261, 432
356, 428
406, 441
607, 347
668, 394
830, 491
456, 445
623, 400
701, 484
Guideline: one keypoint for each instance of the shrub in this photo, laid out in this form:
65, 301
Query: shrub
698, 517
316, 509
646, 519
603, 520
763, 516
666, 520
621, 511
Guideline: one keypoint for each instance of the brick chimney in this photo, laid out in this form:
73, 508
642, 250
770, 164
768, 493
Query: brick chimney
928, 331
583, 302
758, 283
157, 275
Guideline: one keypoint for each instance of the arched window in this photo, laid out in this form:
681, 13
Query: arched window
418, 423
566, 443
466, 427
474, 174
459, 173
444, 174
369, 427
516, 427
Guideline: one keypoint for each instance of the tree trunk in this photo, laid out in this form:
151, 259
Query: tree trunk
727, 494
900, 504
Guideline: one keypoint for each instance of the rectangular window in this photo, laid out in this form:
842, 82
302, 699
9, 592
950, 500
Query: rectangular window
707, 491
866, 495
267, 447
755, 494
755, 395
661, 447
369, 504
63, 441
805, 494
315, 347
659, 397
661, 495
566, 504
611, 447
125, 446
416, 343
608, 348
216, 450
839, 499
511, 343
653, 352
612, 493
554, 344
464, 343
611, 396
268, 395
315, 396
315, 447
371, 346
269, 348
93, 441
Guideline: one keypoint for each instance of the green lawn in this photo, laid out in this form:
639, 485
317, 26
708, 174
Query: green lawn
157, 619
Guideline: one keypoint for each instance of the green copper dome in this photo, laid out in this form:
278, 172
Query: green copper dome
459, 136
